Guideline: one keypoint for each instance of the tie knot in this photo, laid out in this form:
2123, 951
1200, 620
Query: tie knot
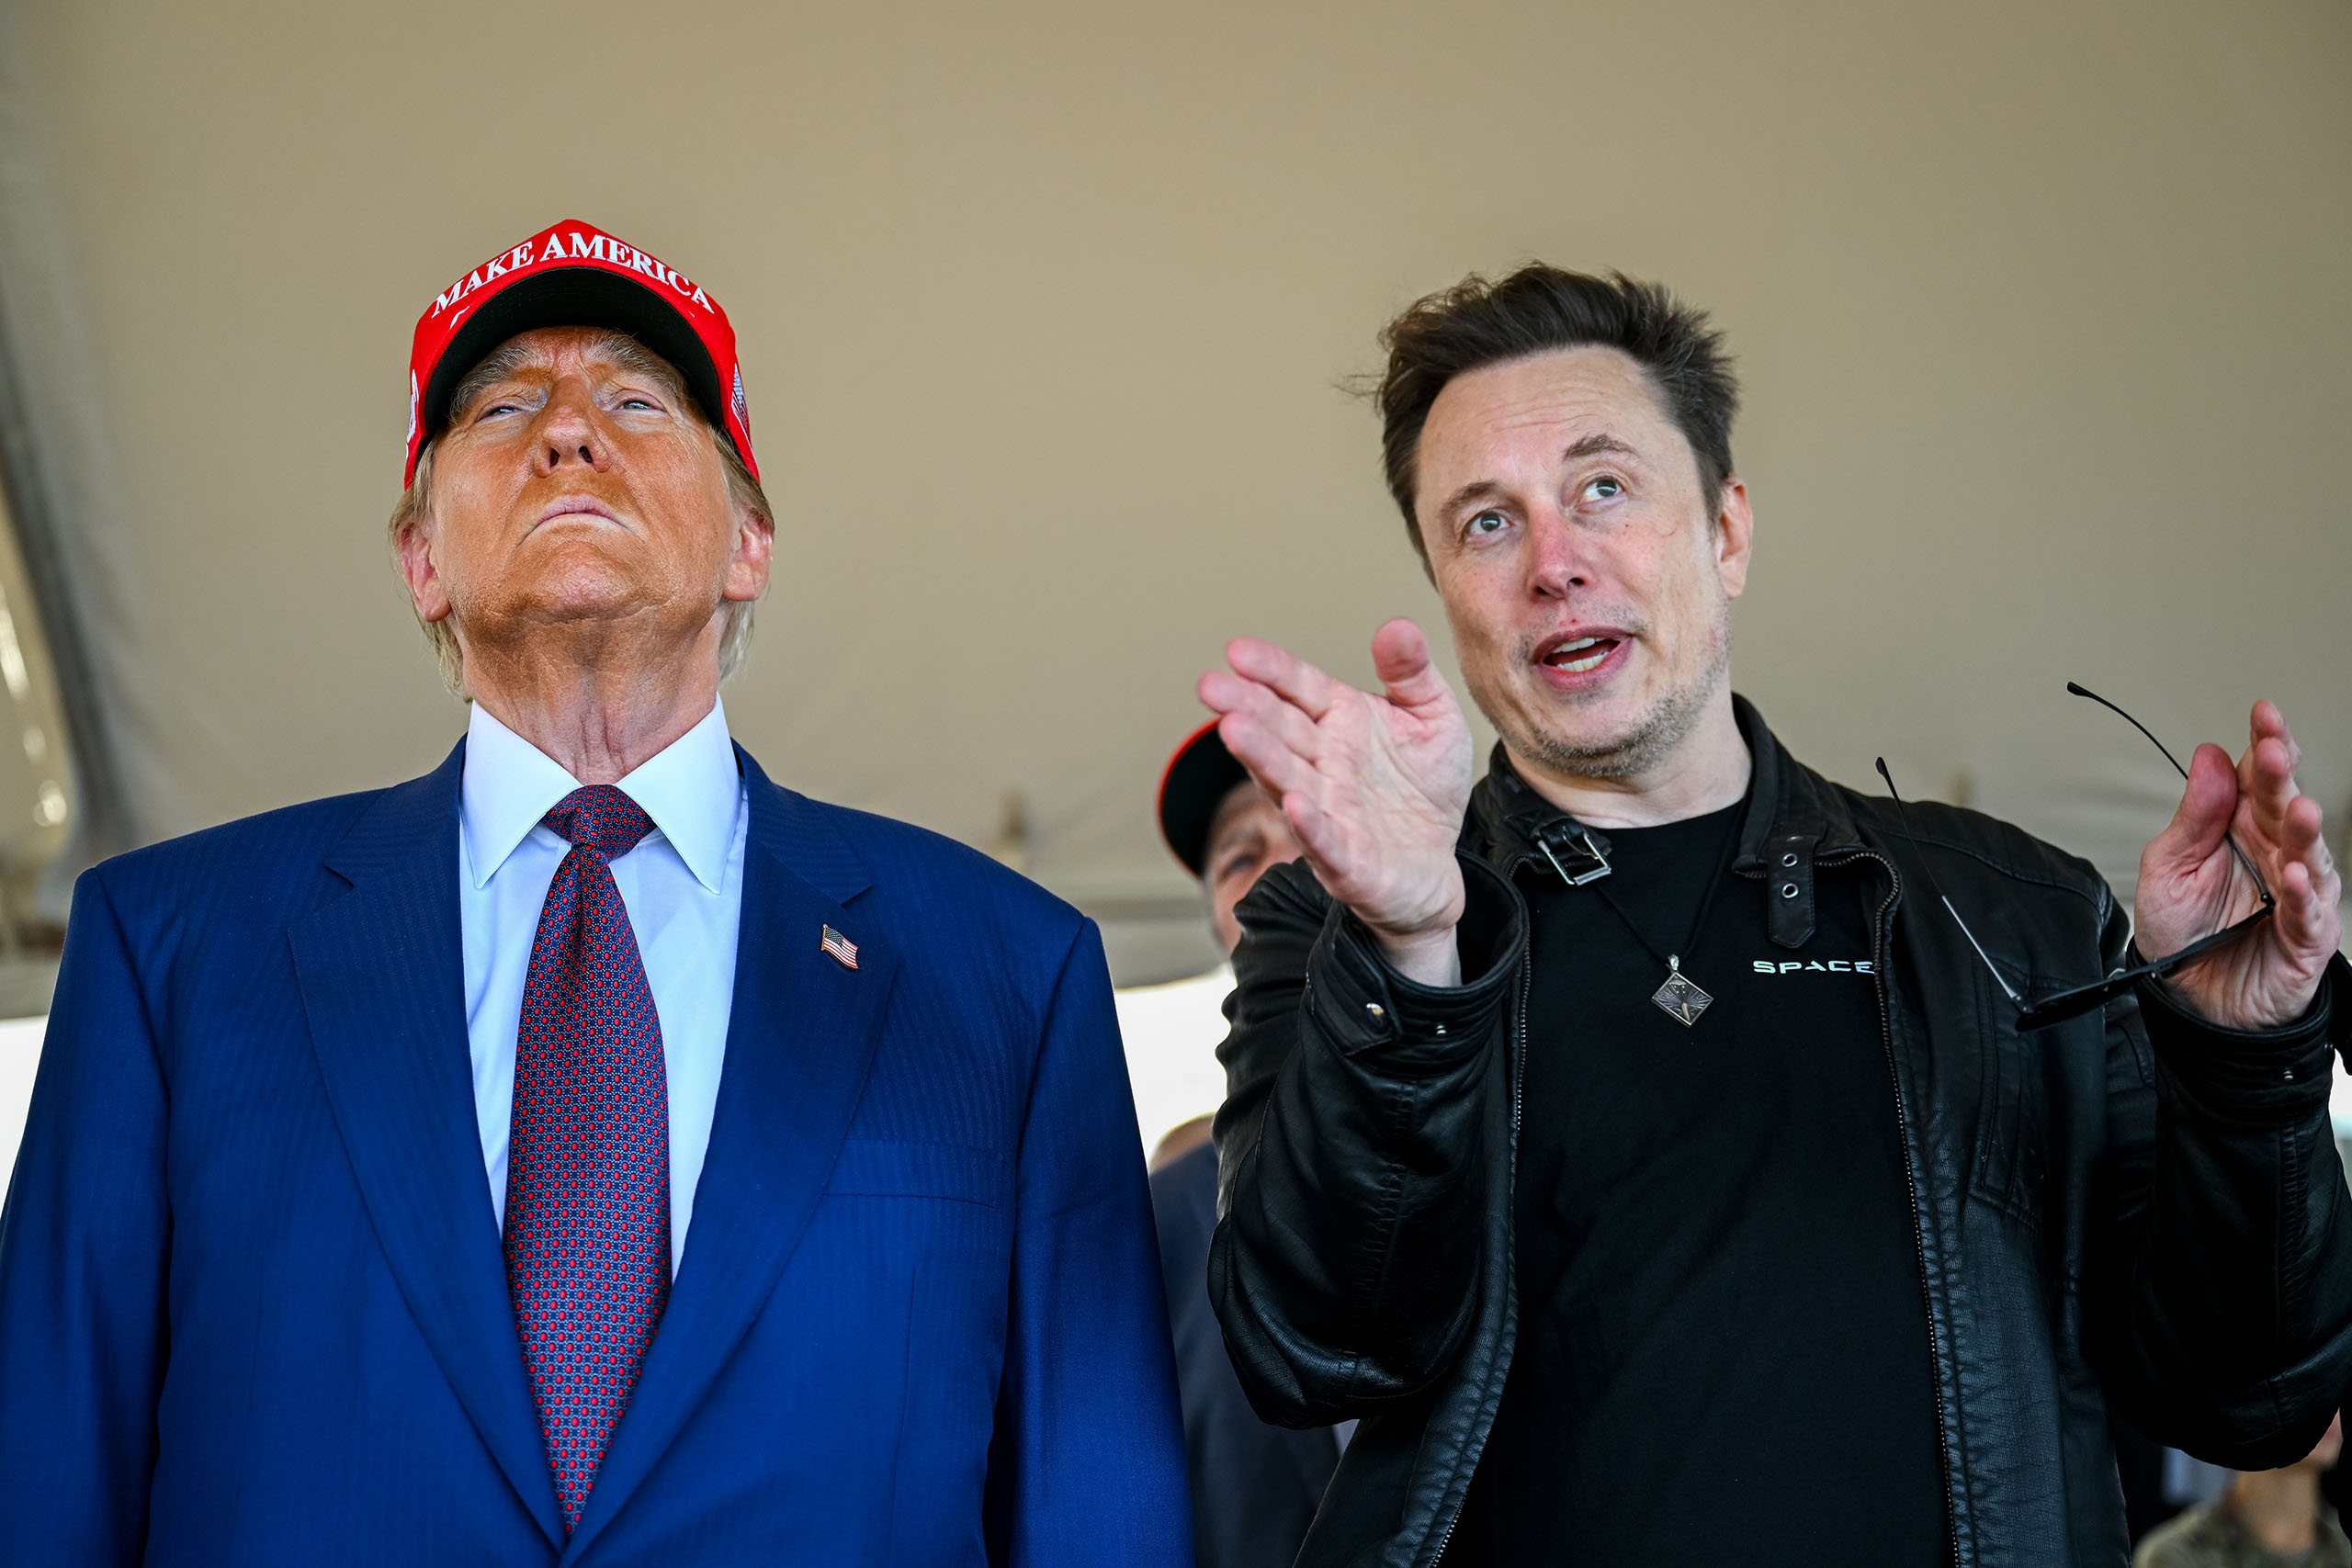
602, 818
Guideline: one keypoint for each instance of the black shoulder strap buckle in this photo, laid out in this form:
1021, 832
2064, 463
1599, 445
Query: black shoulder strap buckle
1575, 852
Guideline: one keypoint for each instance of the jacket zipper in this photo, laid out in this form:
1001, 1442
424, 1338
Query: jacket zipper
1882, 946
1518, 1088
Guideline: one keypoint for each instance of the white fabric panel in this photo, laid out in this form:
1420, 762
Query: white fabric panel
19, 1056
1171, 1034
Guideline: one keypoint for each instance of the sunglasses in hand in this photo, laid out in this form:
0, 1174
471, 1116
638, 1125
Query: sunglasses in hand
2042, 1008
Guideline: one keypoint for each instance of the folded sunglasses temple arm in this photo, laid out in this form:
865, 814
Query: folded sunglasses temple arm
2056, 1008
2062, 1005
2260, 887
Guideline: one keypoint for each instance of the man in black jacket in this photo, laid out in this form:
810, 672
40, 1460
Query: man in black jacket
1675, 1157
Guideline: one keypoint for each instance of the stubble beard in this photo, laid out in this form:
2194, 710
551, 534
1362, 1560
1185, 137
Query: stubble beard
1653, 735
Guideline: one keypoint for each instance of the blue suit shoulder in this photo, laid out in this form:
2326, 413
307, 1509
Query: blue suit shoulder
207, 907
901, 852
938, 891
309, 825
250, 861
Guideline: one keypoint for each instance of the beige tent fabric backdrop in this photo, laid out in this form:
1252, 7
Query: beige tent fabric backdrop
2042, 309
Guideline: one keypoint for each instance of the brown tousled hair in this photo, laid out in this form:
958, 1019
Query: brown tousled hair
1538, 309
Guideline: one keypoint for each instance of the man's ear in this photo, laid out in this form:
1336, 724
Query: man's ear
426, 587
1734, 538
747, 567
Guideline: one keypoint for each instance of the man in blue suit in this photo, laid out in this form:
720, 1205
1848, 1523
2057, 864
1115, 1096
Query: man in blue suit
591, 1151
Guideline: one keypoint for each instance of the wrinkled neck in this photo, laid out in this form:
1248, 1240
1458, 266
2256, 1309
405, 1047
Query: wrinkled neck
601, 712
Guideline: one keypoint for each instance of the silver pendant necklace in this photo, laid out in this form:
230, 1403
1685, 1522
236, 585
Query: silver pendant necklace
1679, 996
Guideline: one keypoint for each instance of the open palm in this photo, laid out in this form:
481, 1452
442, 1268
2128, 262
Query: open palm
1373, 784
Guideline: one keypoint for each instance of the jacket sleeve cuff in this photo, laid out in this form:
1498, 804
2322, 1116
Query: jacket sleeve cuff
2266, 1073
1365, 1004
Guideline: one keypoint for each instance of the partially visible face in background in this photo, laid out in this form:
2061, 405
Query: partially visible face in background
1247, 834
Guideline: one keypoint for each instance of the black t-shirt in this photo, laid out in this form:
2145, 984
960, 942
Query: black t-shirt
1723, 1352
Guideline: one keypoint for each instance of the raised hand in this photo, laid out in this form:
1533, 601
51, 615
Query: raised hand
1374, 784
2191, 885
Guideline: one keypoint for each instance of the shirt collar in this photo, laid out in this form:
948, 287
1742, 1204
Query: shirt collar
690, 788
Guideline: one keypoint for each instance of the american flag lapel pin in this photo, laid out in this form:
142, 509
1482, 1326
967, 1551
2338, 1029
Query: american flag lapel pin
840, 946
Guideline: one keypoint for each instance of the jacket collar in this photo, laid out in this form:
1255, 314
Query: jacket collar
1507, 819
1793, 818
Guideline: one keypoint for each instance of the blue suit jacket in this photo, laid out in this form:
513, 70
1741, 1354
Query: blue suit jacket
251, 1304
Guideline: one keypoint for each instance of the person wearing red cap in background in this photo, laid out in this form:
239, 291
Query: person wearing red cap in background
590, 1152
1255, 1486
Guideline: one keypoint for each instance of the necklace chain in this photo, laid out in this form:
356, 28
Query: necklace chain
1679, 996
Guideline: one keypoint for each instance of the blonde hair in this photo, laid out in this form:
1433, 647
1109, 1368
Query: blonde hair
414, 511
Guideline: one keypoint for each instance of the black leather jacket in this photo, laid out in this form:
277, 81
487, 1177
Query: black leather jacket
2126, 1211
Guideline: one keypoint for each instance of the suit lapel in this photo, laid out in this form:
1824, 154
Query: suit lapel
383, 985
801, 1040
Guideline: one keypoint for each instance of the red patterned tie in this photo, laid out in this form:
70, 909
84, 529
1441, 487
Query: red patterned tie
588, 1168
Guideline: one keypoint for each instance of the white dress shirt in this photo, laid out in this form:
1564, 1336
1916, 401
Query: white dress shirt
683, 885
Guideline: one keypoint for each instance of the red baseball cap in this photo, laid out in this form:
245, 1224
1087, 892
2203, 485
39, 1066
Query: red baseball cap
575, 275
